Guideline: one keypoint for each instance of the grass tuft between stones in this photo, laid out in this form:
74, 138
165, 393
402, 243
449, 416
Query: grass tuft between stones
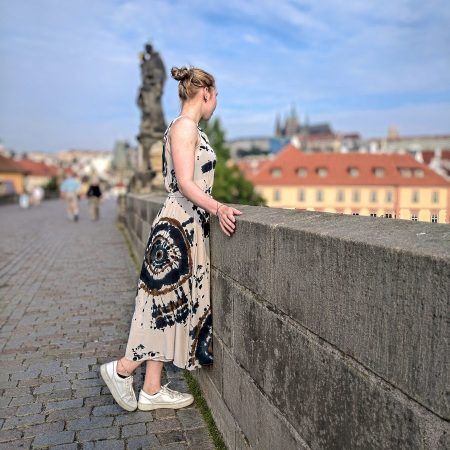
192, 383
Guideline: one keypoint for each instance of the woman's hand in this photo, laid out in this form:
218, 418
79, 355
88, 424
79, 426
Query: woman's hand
226, 218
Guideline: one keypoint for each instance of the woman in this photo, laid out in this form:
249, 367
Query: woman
172, 320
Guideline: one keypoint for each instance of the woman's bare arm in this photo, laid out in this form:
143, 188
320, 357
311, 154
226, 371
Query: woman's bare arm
183, 141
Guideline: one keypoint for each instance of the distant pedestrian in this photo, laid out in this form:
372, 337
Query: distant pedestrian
24, 199
94, 195
70, 191
37, 194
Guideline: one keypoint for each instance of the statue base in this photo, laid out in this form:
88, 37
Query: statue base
141, 182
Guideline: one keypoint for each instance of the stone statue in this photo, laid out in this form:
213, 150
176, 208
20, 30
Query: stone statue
153, 125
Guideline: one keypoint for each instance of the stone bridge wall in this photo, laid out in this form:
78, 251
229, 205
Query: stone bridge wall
330, 331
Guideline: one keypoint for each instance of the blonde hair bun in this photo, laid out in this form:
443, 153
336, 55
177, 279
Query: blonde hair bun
180, 73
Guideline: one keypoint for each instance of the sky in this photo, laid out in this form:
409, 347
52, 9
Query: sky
69, 70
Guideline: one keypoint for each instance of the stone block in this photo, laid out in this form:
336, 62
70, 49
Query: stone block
263, 426
250, 245
222, 306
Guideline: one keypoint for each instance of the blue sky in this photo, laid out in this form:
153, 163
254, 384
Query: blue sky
69, 72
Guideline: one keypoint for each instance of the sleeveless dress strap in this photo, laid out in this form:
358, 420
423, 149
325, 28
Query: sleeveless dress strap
183, 115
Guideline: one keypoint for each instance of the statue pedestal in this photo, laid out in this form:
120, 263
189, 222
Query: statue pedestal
141, 182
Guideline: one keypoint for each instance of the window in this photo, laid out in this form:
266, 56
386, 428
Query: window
418, 172
302, 171
389, 196
340, 195
355, 213
435, 197
319, 195
378, 171
405, 172
373, 214
414, 217
276, 195
301, 195
415, 196
434, 218
355, 196
388, 215
322, 171
353, 171
373, 196
276, 172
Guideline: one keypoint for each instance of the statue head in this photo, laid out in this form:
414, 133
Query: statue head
149, 48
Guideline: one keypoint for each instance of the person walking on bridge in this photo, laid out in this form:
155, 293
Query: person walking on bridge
172, 320
70, 191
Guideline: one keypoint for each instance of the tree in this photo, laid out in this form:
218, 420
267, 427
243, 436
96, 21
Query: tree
230, 185
52, 184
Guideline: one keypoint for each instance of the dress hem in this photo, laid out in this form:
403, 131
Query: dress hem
167, 360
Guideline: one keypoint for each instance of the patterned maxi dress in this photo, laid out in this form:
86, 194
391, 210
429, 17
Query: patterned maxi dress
172, 320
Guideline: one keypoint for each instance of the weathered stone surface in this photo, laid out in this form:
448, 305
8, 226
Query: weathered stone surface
345, 270
263, 426
334, 393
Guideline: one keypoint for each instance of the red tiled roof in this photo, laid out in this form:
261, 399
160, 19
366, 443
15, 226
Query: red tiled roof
38, 169
10, 165
249, 167
289, 159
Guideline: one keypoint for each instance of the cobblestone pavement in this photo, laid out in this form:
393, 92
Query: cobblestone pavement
67, 298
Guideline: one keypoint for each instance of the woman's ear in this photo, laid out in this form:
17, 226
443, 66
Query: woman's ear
205, 93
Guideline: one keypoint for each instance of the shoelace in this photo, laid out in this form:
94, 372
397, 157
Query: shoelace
171, 392
129, 385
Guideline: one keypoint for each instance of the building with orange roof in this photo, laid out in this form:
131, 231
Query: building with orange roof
39, 173
11, 171
378, 185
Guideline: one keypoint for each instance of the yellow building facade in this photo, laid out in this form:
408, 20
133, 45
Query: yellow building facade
427, 204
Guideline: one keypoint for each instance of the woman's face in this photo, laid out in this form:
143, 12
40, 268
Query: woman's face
211, 104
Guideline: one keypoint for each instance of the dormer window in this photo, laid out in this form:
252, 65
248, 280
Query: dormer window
302, 172
276, 172
322, 171
378, 171
418, 172
353, 171
405, 171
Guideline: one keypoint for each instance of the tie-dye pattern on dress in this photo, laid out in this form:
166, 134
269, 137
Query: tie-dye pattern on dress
172, 320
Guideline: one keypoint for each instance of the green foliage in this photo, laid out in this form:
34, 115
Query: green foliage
52, 184
230, 185
201, 404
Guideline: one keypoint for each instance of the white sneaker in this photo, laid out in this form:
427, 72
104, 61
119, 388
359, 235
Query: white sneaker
165, 398
121, 388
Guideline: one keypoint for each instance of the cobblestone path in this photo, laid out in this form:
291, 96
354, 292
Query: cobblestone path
66, 301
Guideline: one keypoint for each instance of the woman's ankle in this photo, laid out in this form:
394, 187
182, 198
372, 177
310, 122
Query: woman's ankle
122, 370
151, 390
